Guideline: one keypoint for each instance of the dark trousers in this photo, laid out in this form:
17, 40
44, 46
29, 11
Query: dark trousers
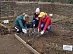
19, 29
36, 22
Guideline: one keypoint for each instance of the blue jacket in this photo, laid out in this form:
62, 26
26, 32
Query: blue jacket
20, 22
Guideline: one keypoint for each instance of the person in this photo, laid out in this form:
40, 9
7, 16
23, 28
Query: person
44, 22
35, 19
20, 23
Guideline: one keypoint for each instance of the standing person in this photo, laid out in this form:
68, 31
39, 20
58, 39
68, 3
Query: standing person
20, 23
35, 19
44, 22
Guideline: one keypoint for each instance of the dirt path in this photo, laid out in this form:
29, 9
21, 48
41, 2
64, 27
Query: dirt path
10, 45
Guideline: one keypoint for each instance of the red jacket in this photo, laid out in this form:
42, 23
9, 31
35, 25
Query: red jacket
45, 20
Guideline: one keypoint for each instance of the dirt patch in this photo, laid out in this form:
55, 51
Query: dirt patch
66, 23
3, 30
52, 41
10, 45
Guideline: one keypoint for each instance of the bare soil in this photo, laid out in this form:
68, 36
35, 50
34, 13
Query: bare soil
50, 43
10, 45
53, 41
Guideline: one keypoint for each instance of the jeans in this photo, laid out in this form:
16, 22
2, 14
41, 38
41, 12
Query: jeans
48, 28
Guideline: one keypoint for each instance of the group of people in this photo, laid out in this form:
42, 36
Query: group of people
40, 20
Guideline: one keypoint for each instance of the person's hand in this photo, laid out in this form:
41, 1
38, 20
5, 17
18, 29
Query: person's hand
24, 31
38, 29
42, 32
34, 25
37, 18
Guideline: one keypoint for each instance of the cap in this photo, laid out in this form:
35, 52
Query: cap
37, 10
41, 14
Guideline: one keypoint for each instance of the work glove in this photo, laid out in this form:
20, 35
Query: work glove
42, 32
24, 31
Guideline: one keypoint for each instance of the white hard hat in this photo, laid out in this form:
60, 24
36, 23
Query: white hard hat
37, 10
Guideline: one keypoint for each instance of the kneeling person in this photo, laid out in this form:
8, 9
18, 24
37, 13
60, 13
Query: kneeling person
20, 23
44, 22
35, 19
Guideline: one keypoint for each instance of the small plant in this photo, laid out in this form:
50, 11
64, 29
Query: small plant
33, 32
